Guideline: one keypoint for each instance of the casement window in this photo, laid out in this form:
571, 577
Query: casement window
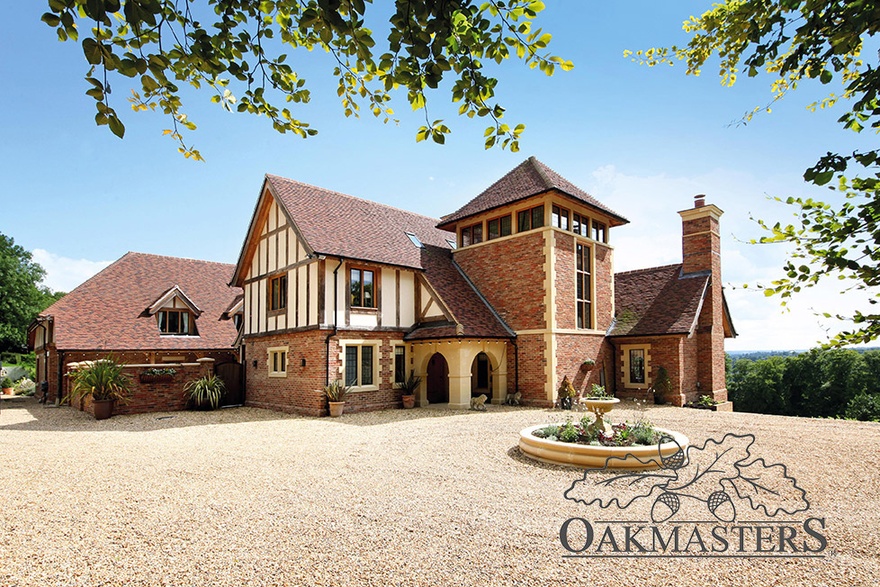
471, 235
399, 364
636, 365
584, 287
278, 293
559, 217
529, 219
361, 365
580, 225
599, 232
362, 284
278, 361
176, 322
498, 227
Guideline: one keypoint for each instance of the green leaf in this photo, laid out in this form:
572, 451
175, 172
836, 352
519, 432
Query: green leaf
116, 126
92, 51
50, 19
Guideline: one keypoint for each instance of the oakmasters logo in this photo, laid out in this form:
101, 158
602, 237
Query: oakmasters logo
713, 500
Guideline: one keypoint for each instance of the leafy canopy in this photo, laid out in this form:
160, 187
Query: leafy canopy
793, 42
21, 298
238, 49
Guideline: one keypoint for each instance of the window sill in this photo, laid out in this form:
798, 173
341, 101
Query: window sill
364, 310
278, 312
364, 388
281, 375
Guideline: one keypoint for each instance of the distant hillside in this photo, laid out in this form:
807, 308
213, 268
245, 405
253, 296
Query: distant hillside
760, 355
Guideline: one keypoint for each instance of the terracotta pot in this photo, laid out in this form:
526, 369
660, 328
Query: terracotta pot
336, 408
7, 391
103, 408
409, 401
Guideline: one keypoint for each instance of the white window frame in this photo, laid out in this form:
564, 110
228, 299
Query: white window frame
376, 345
270, 360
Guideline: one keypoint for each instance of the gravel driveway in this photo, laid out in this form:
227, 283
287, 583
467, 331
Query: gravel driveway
416, 497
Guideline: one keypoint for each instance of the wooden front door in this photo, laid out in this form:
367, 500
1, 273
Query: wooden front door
230, 373
438, 380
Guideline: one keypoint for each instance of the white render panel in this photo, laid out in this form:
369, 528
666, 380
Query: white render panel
272, 244
407, 299
261, 295
430, 305
273, 214
388, 293
313, 293
282, 249
370, 320
301, 294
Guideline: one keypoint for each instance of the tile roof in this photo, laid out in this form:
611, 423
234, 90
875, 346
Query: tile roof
657, 301
528, 179
472, 314
110, 310
344, 226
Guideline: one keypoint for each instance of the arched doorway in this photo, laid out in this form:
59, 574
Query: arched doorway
481, 376
438, 380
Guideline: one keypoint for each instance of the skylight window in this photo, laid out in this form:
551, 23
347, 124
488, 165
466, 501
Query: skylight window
451, 243
415, 240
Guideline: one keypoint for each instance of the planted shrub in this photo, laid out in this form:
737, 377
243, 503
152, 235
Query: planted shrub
205, 392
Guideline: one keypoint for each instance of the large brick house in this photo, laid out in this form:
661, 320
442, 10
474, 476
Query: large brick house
511, 293
147, 311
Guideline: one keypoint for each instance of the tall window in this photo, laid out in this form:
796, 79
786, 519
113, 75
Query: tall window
580, 224
362, 288
599, 232
559, 217
278, 293
583, 286
637, 365
498, 227
176, 322
399, 364
359, 365
529, 219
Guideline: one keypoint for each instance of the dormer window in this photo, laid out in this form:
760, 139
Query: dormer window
176, 322
175, 313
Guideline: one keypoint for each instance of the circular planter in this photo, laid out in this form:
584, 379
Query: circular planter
596, 457
409, 401
336, 408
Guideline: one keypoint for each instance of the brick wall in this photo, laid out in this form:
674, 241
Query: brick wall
301, 391
571, 352
510, 274
532, 364
166, 395
147, 358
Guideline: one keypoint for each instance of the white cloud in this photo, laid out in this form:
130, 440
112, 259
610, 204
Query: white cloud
653, 238
64, 274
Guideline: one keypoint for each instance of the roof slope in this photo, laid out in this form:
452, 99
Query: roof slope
110, 310
473, 316
529, 178
344, 226
657, 301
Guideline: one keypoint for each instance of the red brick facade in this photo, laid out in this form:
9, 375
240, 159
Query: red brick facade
301, 390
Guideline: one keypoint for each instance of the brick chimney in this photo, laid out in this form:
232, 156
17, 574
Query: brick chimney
701, 254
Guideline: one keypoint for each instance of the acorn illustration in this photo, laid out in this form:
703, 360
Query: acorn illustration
673, 461
665, 506
721, 506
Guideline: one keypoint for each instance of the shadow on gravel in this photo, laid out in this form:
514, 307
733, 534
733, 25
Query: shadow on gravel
517, 455
28, 414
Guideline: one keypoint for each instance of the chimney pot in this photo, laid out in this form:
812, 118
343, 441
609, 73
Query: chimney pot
699, 200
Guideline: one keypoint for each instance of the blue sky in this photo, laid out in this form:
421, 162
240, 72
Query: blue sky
643, 141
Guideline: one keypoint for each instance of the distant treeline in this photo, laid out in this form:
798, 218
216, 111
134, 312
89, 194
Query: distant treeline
816, 383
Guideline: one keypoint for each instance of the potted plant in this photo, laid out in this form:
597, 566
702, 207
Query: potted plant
205, 392
566, 393
6, 384
588, 364
154, 374
105, 382
335, 393
409, 388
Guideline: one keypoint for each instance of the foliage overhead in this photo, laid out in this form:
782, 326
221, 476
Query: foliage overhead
795, 42
238, 49
21, 299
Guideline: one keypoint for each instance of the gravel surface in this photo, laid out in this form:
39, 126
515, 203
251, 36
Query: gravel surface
401, 497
